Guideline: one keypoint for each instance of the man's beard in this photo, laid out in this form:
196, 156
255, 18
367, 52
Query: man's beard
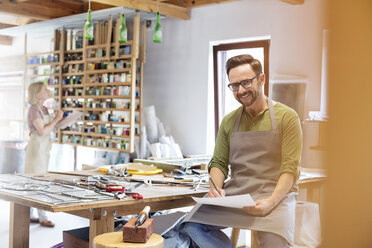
252, 94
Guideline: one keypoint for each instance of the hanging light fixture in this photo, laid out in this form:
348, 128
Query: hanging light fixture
88, 27
158, 34
123, 31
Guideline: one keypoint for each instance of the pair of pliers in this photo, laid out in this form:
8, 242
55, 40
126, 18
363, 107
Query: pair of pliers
114, 188
134, 195
119, 195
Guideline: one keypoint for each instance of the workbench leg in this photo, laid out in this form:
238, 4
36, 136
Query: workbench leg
254, 239
19, 231
97, 227
235, 236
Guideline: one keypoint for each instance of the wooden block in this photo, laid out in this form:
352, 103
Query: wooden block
139, 235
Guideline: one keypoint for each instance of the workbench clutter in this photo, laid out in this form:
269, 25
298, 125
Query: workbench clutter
76, 193
52, 192
187, 176
122, 182
128, 169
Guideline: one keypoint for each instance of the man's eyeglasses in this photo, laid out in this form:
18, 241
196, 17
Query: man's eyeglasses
245, 83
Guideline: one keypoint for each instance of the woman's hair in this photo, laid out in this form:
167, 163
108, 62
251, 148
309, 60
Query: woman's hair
33, 90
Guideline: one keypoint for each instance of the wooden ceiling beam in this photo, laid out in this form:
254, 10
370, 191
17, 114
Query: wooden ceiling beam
294, 2
195, 3
6, 25
42, 9
6, 40
169, 10
96, 6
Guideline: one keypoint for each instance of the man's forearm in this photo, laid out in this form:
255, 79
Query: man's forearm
217, 176
282, 188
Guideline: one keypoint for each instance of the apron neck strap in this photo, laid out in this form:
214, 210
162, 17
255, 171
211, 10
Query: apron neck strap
238, 120
272, 116
41, 111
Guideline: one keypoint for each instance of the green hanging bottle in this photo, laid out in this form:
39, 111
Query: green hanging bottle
88, 27
158, 36
123, 31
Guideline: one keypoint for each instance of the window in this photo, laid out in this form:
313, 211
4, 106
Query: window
11, 102
224, 101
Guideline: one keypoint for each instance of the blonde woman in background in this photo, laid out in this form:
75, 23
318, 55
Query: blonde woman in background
38, 148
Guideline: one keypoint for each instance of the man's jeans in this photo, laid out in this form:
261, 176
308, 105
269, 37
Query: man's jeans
205, 236
197, 235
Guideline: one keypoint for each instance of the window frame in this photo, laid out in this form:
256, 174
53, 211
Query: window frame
265, 44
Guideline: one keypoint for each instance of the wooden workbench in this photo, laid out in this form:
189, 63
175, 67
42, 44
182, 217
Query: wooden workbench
100, 213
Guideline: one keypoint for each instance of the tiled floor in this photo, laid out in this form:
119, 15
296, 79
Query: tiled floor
42, 237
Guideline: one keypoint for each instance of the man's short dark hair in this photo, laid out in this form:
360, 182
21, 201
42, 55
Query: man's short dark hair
241, 60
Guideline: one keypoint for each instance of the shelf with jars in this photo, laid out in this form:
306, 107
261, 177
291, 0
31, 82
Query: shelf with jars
103, 79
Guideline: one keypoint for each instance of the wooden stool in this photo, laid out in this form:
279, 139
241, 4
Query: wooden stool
115, 240
235, 237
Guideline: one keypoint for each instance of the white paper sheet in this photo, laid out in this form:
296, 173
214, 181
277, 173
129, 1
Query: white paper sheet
69, 120
235, 201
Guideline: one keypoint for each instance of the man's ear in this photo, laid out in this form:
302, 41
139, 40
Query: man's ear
262, 79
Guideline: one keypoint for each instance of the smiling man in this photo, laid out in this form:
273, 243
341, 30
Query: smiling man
262, 142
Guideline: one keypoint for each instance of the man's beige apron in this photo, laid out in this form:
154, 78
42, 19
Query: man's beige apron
255, 158
38, 150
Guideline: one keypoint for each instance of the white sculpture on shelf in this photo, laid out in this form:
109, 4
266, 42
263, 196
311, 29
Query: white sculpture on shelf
156, 140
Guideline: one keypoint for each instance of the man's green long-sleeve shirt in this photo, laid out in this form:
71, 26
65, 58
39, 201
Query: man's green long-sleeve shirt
289, 130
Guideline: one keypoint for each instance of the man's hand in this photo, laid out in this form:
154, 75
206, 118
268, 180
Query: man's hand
262, 208
213, 193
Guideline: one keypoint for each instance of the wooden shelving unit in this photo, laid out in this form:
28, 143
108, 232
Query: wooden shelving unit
98, 81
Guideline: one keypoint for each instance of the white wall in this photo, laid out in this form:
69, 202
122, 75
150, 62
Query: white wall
34, 45
12, 57
176, 71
